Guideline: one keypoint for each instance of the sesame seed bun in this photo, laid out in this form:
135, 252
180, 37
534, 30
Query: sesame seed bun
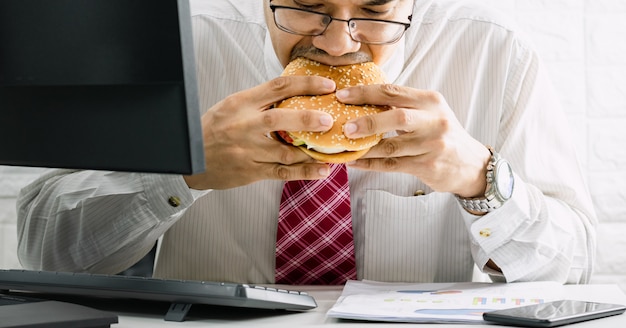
333, 146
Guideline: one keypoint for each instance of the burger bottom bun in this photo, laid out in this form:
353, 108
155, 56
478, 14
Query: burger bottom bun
343, 157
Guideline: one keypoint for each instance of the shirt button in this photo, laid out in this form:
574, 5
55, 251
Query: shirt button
485, 232
174, 201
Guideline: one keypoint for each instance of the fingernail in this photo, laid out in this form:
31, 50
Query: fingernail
343, 93
329, 84
326, 120
324, 172
349, 128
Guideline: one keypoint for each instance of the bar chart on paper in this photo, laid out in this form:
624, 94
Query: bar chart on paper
436, 302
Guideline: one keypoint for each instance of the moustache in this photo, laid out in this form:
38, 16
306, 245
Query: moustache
312, 52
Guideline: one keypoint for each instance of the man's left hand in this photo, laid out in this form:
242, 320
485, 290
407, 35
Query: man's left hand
431, 143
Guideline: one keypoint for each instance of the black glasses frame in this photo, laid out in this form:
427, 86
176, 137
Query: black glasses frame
331, 19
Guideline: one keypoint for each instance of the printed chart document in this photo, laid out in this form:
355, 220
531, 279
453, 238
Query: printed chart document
437, 302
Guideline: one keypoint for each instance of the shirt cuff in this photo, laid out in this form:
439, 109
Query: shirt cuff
168, 194
494, 230
198, 193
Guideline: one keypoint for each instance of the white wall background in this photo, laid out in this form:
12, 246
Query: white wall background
583, 43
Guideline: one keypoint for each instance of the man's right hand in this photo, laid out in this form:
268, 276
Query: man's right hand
237, 148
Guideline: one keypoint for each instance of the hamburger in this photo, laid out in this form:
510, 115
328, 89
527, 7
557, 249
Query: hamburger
332, 146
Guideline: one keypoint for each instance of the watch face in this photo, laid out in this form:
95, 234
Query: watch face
504, 179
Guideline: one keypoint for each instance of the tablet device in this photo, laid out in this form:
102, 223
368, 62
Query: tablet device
553, 314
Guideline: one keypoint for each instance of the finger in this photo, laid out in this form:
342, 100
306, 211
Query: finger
286, 162
404, 115
409, 164
273, 150
396, 119
285, 119
375, 164
313, 171
284, 87
390, 95
400, 146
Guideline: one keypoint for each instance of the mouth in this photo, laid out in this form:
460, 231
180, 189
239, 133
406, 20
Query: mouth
322, 57
338, 61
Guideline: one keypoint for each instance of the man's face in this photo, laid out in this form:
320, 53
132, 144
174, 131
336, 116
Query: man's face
335, 46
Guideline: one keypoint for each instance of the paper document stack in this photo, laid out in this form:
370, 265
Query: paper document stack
437, 302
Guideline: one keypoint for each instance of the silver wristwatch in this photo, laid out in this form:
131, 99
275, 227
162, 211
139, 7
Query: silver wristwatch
499, 189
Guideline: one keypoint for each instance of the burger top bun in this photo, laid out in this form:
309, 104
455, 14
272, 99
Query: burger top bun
333, 146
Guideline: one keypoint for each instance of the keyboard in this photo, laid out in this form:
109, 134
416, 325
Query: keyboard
180, 293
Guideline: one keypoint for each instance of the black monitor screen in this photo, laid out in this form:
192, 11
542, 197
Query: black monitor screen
99, 84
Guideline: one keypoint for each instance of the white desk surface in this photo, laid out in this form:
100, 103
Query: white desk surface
326, 297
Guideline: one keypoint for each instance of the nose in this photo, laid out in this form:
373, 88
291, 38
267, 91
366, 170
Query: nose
336, 40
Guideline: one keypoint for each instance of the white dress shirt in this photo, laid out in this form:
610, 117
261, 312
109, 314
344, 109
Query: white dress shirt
105, 221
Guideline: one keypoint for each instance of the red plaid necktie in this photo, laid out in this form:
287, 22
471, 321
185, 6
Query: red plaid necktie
314, 243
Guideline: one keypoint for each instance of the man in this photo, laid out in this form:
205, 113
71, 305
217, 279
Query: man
461, 80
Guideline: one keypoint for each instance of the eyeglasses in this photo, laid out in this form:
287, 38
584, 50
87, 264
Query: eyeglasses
310, 23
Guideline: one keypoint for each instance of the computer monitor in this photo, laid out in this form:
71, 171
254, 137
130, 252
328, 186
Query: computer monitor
99, 84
